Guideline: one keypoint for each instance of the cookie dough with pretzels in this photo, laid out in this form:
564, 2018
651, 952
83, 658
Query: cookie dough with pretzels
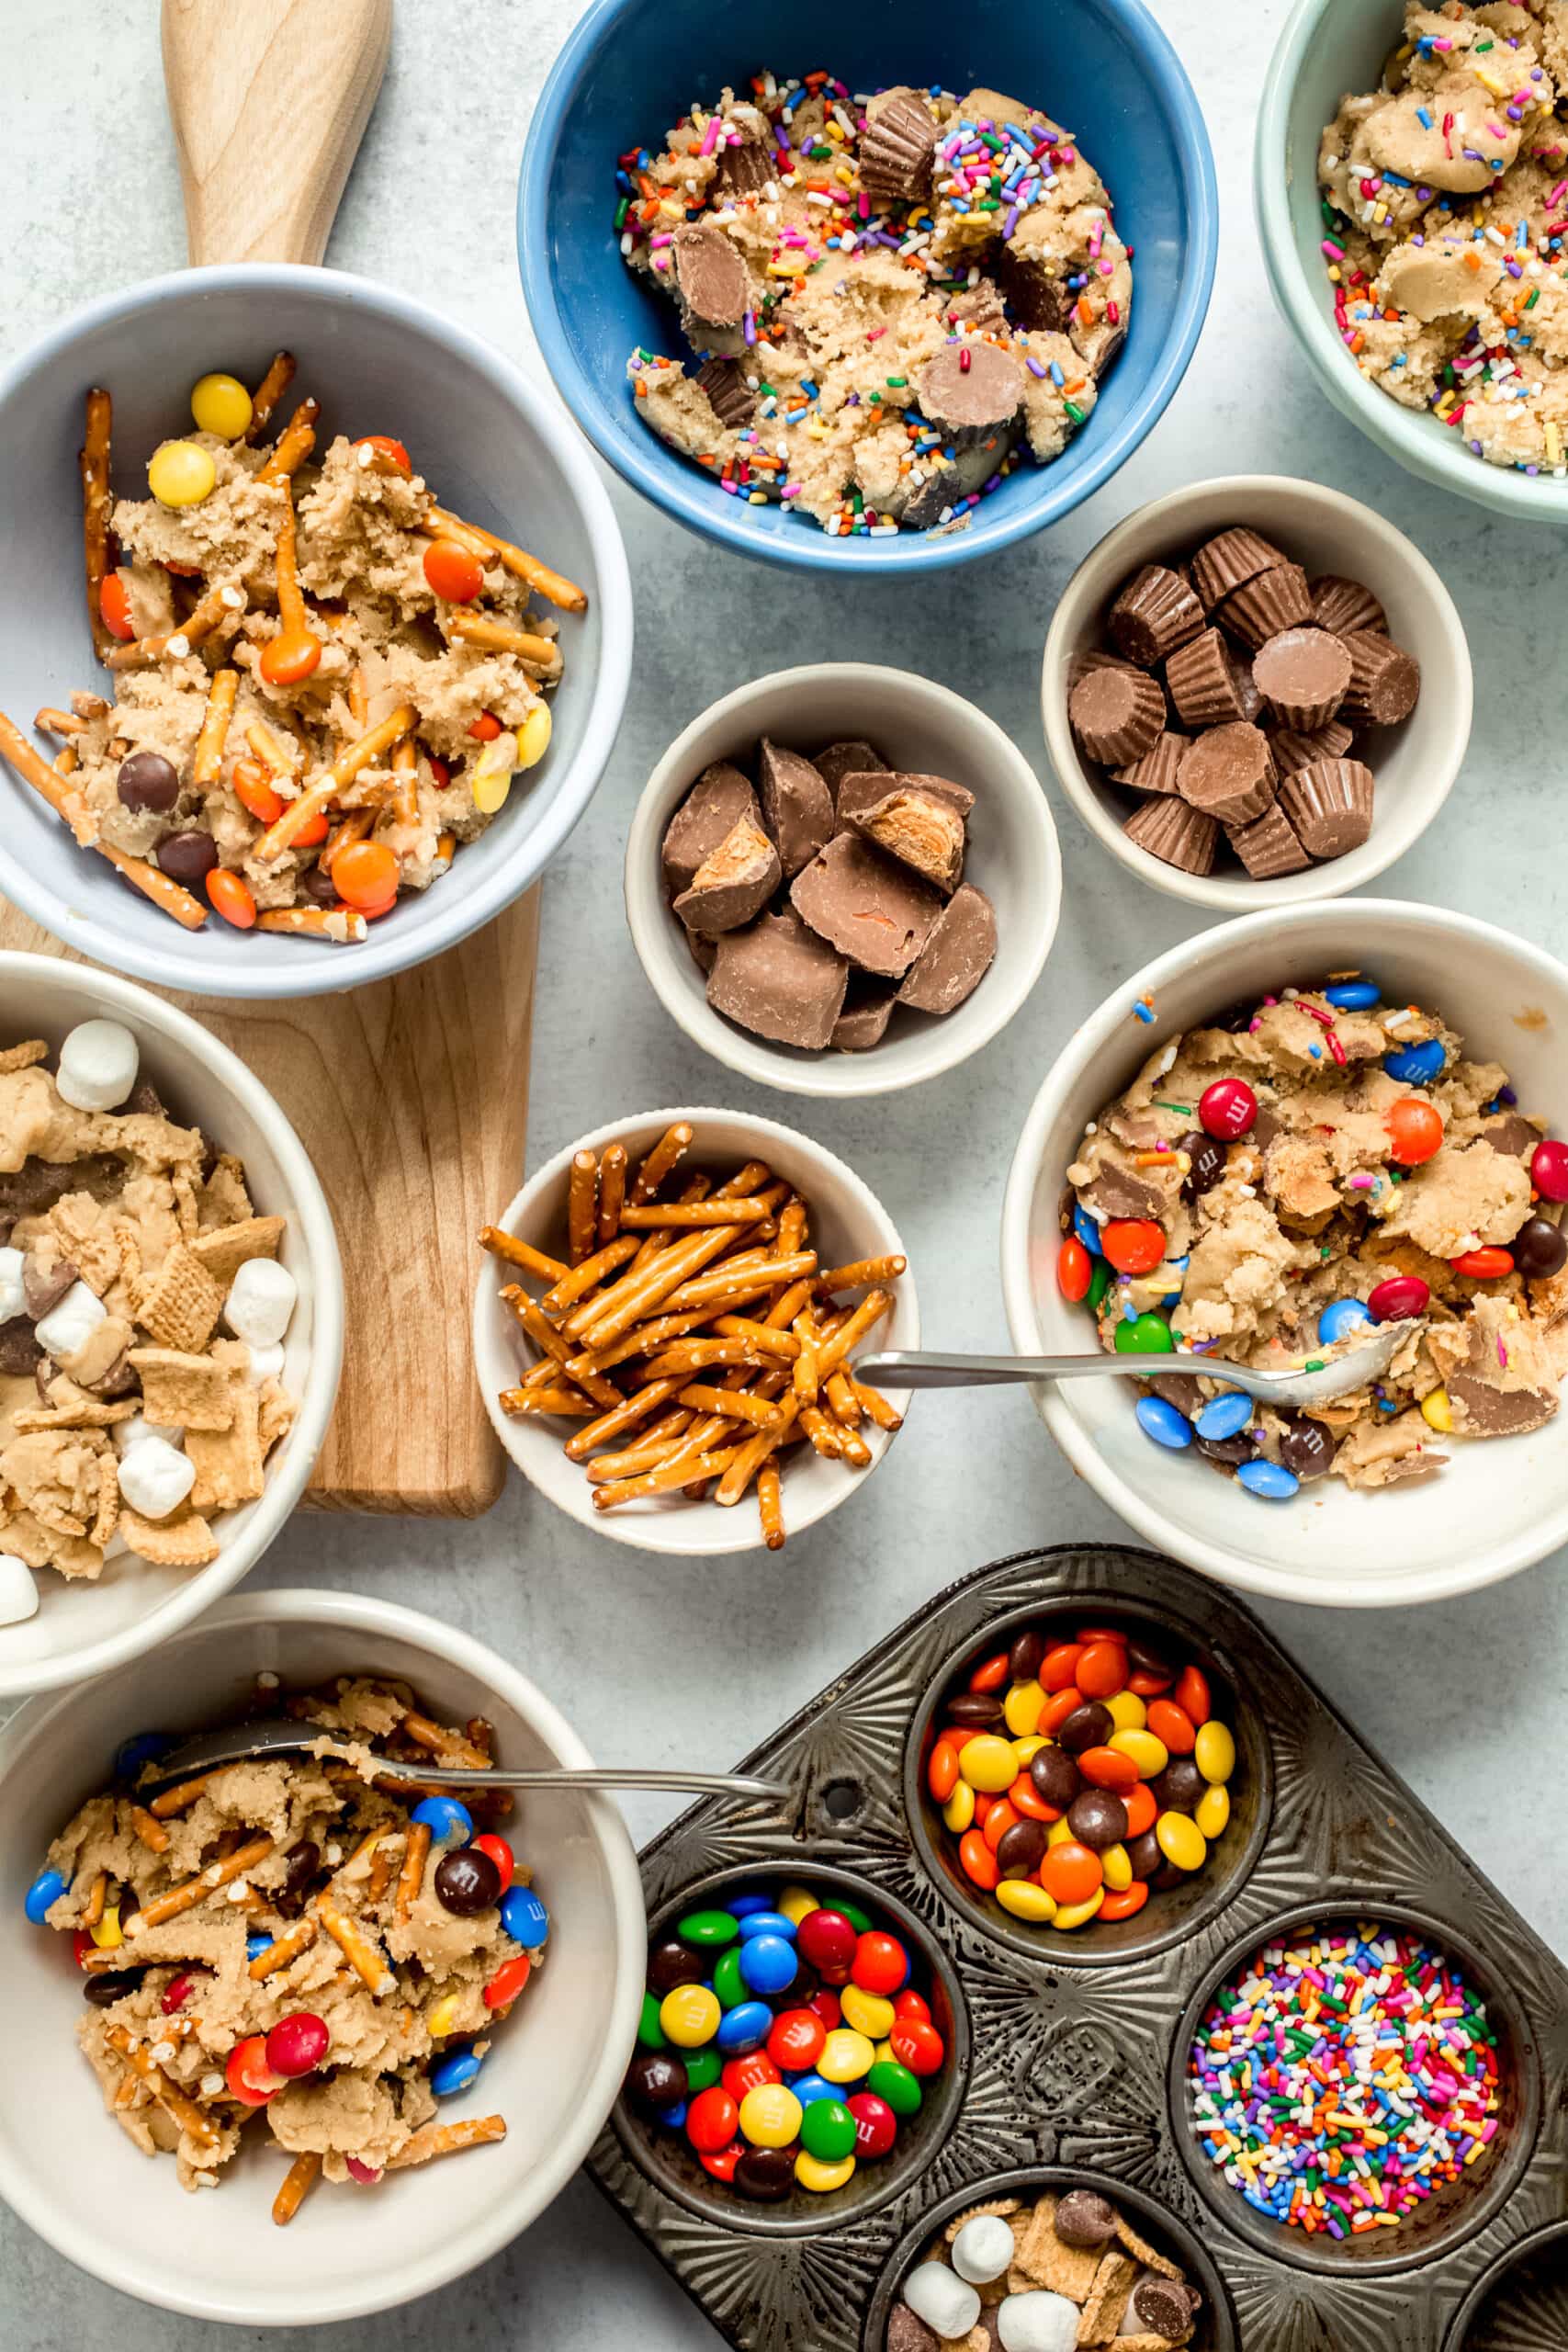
321, 682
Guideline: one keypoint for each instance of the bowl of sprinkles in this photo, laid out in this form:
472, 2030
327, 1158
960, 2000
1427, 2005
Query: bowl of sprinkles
865, 307
1359, 2091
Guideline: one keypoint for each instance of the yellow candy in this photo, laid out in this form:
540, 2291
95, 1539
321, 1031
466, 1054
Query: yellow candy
1117, 1864
180, 474
796, 1901
1026, 1901
812, 2173
1213, 1811
690, 2015
988, 1764
1149, 1754
1214, 1751
444, 2016
883, 2053
1059, 1833
105, 1930
1024, 1748
1021, 1709
1436, 1410
1074, 1915
1181, 1841
959, 1810
868, 2013
221, 406
847, 2056
489, 778
770, 2116
1127, 1711
533, 737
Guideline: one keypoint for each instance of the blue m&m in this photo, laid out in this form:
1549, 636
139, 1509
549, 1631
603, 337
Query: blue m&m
764, 1923
47, 1888
1087, 1231
1340, 1317
1165, 1423
1417, 1065
449, 1823
1271, 1480
768, 1963
524, 1918
1224, 1416
745, 2028
1352, 996
454, 2072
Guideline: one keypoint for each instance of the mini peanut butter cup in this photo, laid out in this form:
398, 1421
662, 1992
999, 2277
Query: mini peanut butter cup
1303, 676
1203, 683
1156, 611
1228, 561
730, 396
1276, 600
1268, 847
1292, 749
1177, 835
897, 148
1385, 681
1329, 805
1345, 605
1117, 714
1156, 770
1228, 773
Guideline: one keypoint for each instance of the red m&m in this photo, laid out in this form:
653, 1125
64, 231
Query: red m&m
1227, 1109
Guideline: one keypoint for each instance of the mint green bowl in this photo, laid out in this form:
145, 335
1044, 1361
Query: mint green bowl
1330, 47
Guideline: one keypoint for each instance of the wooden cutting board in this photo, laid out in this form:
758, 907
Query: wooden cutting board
412, 1095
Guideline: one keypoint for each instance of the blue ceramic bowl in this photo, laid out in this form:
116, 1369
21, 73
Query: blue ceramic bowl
632, 67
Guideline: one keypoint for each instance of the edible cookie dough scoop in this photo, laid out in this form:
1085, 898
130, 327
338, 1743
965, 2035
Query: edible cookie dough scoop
281, 1736
1319, 1383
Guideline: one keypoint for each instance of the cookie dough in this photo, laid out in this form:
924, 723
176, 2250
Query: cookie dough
1447, 186
1380, 1174
894, 297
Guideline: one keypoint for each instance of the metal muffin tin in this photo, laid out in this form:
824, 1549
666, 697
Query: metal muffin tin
1075, 2050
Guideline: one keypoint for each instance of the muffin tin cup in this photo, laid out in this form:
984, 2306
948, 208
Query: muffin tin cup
1520, 2305
1165, 1920
669, 2157
1217, 2328
1453, 2214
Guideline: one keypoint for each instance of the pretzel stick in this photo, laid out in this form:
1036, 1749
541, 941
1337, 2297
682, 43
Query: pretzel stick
380, 1871
875, 1405
708, 1287
544, 1335
785, 1308
94, 462
405, 788
361, 1955
351, 828
751, 1456
521, 1253
180, 2109
792, 1228
612, 1190
624, 1417
271, 749
312, 923
445, 2139
268, 392
521, 566
298, 2183
676, 1472
863, 1271
854, 1449
411, 1877
583, 1205
871, 1308
499, 637
695, 1355
214, 735
294, 447
196, 1890
782, 1345
317, 796
50, 721
175, 1800
97, 1896
155, 886
732, 1404
217, 604
630, 1300
825, 1436
449, 1745
673, 1146
149, 1829
567, 1402
47, 782
807, 1368
638, 1218
284, 1948
769, 1506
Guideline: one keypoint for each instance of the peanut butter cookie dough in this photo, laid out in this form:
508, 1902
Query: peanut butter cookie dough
893, 296
1447, 201
1269, 1186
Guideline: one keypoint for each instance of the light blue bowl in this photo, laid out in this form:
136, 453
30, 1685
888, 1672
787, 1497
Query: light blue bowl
632, 67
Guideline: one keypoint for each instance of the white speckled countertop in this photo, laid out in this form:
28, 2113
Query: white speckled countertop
1466, 1701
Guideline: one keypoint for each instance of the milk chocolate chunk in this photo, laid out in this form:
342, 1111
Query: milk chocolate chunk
1204, 683
797, 808
834, 762
735, 883
1117, 714
1228, 773
1085, 2219
860, 794
710, 278
1277, 599
730, 395
1293, 750
1479, 1409
897, 148
780, 981
1156, 770
868, 1008
921, 828
1162, 2307
956, 956
1176, 834
745, 168
1345, 605
1034, 278
875, 912
1267, 846
1329, 806
971, 389
1228, 561
1156, 611
1385, 681
713, 807
1303, 675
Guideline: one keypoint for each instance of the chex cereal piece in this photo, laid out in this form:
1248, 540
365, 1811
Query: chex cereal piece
181, 1303
1143, 2252
182, 1391
1004, 2207
1046, 2262
1108, 2298
230, 1464
225, 1249
185, 1540
26, 1055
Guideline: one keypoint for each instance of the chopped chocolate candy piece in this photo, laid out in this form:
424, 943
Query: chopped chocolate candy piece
1292, 751
1204, 683
1156, 611
713, 807
797, 808
733, 884
1033, 278
897, 148
1228, 773
1344, 606
957, 954
876, 914
20, 1353
1175, 833
745, 168
1268, 847
704, 949
1303, 676
730, 395
920, 828
1479, 1409
780, 981
1515, 1136
1156, 772
1084, 2218
980, 305
1329, 806
44, 1285
860, 794
1162, 2307
1117, 714
1277, 599
1385, 681
836, 761
971, 389
1229, 561
868, 1008
711, 279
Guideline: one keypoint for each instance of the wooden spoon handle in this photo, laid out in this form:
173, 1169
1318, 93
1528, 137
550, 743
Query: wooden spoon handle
269, 104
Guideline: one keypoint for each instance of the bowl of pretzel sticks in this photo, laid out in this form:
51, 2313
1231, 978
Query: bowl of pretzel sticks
666, 1327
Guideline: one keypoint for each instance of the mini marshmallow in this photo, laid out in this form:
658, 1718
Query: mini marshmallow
72, 1323
154, 1477
1038, 2322
13, 1296
98, 1063
18, 1593
265, 1363
260, 1303
943, 2300
129, 1433
983, 2249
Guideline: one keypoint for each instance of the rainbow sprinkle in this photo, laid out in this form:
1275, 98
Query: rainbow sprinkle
1343, 2080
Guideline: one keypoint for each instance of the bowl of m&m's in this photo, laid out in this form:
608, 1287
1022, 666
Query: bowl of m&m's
802, 2052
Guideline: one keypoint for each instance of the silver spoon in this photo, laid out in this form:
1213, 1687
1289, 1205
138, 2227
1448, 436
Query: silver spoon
281, 1736
1363, 1362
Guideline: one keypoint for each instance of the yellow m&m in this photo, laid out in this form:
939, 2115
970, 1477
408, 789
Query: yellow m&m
180, 474
221, 406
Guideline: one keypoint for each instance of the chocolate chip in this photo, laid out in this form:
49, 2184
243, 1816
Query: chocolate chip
1228, 1450
1085, 2219
145, 1102
656, 2078
188, 856
147, 783
1097, 1818
121, 1380
1540, 1248
673, 1963
43, 1287
1089, 1725
906, 2333
1055, 1776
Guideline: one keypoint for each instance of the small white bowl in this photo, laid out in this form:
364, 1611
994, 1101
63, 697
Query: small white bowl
1498, 1505
1414, 764
84, 1629
553, 2071
847, 1222
918, 726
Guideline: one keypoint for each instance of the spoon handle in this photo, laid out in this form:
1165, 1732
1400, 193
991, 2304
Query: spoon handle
927, 1370
596, 1776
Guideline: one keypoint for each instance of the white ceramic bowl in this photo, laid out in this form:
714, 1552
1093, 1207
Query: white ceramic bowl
847, 1222
1498, 1505
553, 2071
1414, 764
492, 447
915, 724
83, 1629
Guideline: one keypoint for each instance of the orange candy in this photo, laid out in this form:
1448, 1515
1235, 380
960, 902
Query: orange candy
979, 1862
991, 1674
230, 896
1102, 1671
390, 448
1142, 1809
452, 572
1173, 1725
365, 875
999, 1819
1059, 1667
486, 728
941, 1771
1135, 1245
114, 606
1025, 1798
290, 657
254, 791
1107, 1767
1057, 1708
1145, 1684
1487, 1265
1070, 1872
1415, 1131
1191, 1695
1127, 1904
